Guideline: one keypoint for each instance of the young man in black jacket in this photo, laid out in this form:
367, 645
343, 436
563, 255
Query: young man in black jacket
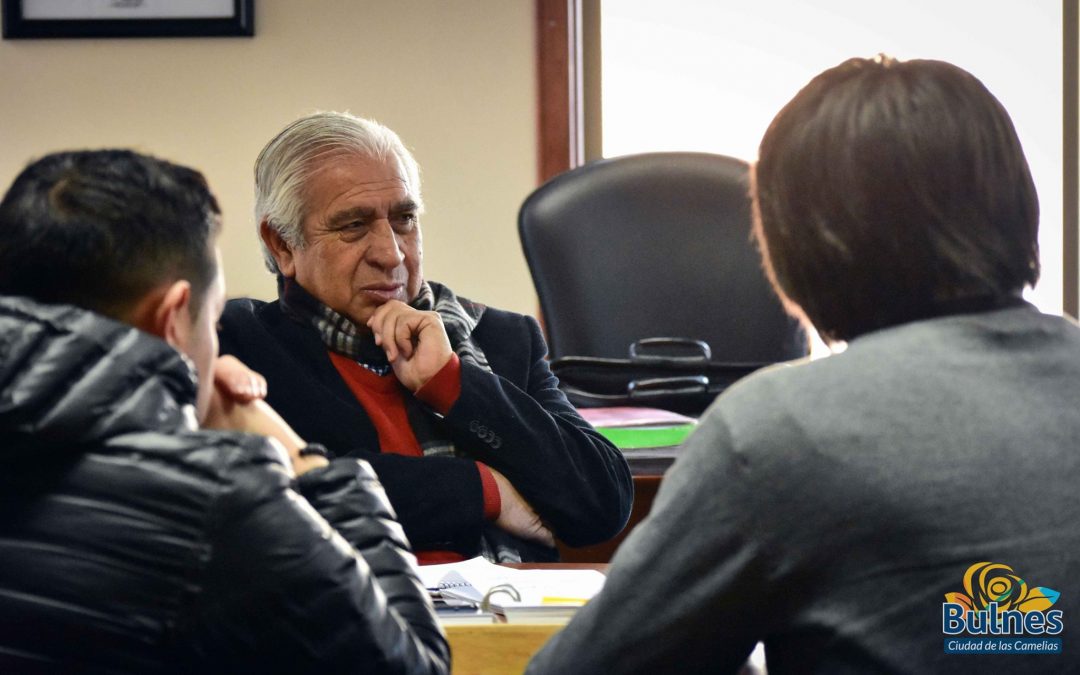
131, 539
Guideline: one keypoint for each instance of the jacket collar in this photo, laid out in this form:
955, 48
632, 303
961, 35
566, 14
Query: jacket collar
68, 375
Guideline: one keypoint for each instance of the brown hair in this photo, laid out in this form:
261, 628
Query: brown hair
887, 189
100, 228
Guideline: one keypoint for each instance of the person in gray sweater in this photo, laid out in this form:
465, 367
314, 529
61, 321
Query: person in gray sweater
905, 506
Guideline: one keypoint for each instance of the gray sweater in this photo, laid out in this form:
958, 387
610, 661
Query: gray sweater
826, 509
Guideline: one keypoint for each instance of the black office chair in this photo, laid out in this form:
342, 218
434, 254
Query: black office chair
653, 245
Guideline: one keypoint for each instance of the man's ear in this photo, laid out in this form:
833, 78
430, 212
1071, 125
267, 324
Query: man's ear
279, 248
166, 313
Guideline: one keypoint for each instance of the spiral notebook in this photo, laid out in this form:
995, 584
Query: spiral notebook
519, 596
453, 586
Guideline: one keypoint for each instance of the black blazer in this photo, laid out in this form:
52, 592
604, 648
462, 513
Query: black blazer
514, 419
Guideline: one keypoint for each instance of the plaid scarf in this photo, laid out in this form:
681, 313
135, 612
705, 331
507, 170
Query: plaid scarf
460, 317
341, 335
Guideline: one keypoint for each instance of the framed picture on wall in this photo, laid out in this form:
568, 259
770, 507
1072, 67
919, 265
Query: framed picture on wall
24, 19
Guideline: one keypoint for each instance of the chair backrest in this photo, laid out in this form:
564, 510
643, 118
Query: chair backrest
653, 245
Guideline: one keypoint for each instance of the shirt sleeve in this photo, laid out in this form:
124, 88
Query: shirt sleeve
492, 498
443, 390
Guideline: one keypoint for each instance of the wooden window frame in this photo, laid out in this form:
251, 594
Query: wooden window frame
559, 102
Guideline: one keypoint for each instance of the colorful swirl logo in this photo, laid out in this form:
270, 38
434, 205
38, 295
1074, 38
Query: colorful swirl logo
988, 582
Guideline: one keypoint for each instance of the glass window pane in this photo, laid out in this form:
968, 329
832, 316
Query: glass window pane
706, 75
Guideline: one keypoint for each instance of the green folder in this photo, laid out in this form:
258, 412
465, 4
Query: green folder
632, 438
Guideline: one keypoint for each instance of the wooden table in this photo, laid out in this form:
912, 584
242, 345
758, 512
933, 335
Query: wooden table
498, 649
650, 462
503, 648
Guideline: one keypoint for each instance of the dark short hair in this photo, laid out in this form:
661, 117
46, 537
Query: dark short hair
101, 228
887, 190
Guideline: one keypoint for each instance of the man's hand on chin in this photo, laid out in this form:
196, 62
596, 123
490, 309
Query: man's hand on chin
415, 342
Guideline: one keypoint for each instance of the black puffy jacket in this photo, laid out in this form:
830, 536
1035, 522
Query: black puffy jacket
132, 542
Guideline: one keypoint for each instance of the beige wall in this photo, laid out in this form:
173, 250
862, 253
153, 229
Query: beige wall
455, 79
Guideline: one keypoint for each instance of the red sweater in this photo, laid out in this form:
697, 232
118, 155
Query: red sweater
383, 398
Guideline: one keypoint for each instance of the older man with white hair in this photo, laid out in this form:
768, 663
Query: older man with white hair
452, 402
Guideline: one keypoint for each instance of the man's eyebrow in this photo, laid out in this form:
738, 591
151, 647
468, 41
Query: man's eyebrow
405, 205
349, 215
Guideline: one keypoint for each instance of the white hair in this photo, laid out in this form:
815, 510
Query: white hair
289, 159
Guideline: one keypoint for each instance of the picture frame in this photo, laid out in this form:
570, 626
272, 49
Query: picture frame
35, 19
